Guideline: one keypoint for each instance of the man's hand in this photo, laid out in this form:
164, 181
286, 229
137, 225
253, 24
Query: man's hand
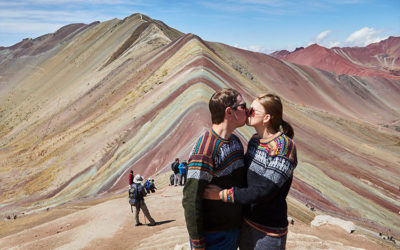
212, 192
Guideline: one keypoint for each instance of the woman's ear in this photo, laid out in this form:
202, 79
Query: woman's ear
267, 118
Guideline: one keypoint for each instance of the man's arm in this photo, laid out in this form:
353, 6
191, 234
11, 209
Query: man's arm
199, 175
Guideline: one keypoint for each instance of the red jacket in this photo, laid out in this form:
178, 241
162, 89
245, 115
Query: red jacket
130, 179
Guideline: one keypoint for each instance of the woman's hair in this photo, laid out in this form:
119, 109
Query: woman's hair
273, 106
219, 101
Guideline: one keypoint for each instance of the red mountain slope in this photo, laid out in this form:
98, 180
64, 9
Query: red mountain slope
377, 59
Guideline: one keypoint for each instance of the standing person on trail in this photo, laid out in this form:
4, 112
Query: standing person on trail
136, 196
175, 169
217, 158
131, 179
147, 185
182, 173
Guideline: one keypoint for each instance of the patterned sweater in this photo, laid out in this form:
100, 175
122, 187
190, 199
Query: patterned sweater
270, 172
217, 161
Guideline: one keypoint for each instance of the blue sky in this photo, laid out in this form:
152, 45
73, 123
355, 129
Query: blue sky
258, 25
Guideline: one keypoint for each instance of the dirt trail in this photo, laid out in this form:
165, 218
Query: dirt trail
110, 225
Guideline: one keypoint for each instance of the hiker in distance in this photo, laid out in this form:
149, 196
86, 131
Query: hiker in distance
270, 159
217, 158
136, 199
150, 186
175, 169
182, 173
131, 176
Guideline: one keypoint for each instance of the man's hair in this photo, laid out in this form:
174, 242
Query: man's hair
176, 159
219, 101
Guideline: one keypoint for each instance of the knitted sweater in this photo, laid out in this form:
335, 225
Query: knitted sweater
270, 172
217, 161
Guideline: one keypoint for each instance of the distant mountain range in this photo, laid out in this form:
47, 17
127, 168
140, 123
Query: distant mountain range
377, 59
81, 107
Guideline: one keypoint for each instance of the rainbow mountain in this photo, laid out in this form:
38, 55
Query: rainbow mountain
81, 107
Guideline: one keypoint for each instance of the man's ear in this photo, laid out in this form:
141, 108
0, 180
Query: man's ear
228, 111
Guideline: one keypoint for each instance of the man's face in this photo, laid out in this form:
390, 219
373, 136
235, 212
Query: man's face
239, 112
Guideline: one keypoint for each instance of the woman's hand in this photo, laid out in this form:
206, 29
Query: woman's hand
212, 192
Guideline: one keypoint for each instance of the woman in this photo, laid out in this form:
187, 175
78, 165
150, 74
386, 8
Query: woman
270, 159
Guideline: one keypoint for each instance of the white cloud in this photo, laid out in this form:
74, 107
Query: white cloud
333, 44
321, 39
321, 36
255, 48
364, 37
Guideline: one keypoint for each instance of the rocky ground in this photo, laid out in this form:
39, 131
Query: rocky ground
107, 223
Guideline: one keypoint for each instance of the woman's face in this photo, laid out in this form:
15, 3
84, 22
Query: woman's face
256, 114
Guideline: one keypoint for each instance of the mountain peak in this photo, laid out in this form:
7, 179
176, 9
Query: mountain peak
377, 59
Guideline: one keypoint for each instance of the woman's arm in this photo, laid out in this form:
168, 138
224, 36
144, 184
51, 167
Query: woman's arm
243, 195
261, 189
263, 182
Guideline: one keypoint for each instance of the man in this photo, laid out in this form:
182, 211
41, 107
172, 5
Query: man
140, 193
217, 158
175, 169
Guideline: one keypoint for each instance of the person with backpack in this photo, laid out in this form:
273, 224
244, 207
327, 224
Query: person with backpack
136, 198
175, 169
152, 186
182, 173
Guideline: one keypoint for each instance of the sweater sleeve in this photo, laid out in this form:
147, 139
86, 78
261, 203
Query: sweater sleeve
200, 173
264, 182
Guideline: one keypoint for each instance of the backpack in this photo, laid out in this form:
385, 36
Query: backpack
175, 167
171, 179
135, 195
152, 187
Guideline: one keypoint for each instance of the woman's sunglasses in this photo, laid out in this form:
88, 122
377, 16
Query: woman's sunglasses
251, 112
